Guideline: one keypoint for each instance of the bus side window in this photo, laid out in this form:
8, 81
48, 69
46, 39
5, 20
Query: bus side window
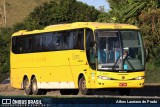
56, 41
21, 45
80, 40
66, 39
37, 44
47, 42
15, 45
89, 48
71, 40
76, 39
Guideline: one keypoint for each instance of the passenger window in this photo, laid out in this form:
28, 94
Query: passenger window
37, 44
89, 48
80, 39
47, 43
15, 44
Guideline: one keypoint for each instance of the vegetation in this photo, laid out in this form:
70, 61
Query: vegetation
145, 14
4, 49
17, 10
53, 12
62, 12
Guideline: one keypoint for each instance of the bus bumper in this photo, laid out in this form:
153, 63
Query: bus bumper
120, 84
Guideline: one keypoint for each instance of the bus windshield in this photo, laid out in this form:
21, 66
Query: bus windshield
120, 50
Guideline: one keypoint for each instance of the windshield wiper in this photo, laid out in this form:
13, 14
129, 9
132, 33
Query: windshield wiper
130, 64
125, 58
115, 63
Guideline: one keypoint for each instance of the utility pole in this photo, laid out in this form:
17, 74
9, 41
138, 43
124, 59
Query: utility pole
4, 8
1, 16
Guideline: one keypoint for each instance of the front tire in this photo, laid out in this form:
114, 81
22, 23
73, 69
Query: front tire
82, 87
27, 87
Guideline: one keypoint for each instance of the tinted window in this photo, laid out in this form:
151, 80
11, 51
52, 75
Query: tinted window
62, 40
89, 48
47, 43
37, 44
15, 44
56, 41
27, 44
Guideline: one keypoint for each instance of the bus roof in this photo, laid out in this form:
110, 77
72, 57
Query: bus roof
76, 25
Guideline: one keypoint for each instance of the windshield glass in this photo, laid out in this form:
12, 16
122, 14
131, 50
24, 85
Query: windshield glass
119, 50
133, 50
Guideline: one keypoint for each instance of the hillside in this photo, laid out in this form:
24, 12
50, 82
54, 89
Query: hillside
17, 10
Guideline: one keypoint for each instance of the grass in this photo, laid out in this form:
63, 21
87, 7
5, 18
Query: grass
17, 10
152, 74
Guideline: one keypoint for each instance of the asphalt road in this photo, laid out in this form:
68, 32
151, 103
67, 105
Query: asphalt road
149, 90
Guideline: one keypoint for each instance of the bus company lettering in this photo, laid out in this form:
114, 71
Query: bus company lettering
34, 102
75, 56
136, 101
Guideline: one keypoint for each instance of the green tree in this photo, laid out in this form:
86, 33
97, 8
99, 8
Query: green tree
128, 11
150, 25
5, 34
53, 12
64, 11
144, 14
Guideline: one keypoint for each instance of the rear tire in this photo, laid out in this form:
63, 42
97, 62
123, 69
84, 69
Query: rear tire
27, 87
35, 89
82, 87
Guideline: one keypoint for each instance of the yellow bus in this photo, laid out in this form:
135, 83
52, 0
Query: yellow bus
77, 58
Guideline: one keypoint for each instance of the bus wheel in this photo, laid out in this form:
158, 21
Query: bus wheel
35, 89
27, 87
82, 87
125, 92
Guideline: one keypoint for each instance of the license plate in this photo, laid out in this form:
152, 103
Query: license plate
122, 84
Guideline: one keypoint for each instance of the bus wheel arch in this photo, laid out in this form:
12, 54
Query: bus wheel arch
82, 85
27, 86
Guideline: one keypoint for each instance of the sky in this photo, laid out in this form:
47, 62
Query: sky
97, 3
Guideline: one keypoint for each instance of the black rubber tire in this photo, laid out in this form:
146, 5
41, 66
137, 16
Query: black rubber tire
35, 89
82, 87
124, 92
27, 87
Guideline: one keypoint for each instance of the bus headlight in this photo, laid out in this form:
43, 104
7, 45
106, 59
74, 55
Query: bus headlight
104, 77
139, 78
